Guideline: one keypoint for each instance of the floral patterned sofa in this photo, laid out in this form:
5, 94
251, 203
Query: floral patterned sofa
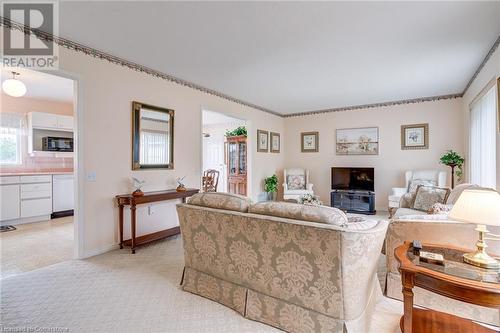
269, 263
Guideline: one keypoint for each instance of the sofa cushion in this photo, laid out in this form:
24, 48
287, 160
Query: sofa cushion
218, 200
296, 182
426, 196
415, 183
310, 213
356, 222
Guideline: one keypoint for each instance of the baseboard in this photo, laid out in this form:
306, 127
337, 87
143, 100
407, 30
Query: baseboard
91, 253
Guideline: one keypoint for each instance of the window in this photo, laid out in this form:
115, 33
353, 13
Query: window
483, 140
10, 138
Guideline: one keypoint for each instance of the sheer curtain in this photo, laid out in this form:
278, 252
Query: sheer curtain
483, 140
11, 130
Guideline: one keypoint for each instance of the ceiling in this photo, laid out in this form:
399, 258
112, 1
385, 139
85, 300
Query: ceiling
42, 85
294, 57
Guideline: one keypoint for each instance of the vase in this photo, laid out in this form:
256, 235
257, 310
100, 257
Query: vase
271, 196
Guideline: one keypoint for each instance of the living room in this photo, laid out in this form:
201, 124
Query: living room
347, 67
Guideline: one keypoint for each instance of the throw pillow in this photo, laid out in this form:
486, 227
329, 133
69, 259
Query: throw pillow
426, 196
296, 182
412, 186
218, 200
439, 208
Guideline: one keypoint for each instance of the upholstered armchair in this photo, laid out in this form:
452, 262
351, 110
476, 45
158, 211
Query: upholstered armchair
425, 177
296, 183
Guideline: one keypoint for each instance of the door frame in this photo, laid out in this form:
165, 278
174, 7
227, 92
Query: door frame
250, 138
78, 160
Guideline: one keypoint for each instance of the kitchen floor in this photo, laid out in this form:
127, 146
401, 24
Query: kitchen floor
36, 245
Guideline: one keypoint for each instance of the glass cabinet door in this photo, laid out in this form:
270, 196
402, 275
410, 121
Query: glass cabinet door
242, 160
232, 158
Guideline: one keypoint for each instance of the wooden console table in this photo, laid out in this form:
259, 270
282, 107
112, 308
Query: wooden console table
455, 279
148, 197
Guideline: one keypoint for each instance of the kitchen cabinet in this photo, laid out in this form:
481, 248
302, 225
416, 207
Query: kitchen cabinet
50, 121
26, 196
9, 207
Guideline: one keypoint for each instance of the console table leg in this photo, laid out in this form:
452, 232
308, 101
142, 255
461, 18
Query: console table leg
132, 226
408, 285
120, 223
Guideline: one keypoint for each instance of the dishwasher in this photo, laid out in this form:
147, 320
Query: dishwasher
63, 195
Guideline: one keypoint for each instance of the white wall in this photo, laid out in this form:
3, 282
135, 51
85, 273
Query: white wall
490, 71
108, 91
445, 132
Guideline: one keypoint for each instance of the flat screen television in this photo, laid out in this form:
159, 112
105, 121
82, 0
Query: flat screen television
360, 179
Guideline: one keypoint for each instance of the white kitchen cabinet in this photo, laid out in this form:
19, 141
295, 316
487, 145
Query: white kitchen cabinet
50, 121
36, 207
10, 201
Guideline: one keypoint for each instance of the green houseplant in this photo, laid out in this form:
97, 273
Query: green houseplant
242, 130
271, 187
453, 160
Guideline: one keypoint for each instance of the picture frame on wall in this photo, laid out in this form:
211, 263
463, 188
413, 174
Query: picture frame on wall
415, 136
275, 142
357, 141
309, 142
262, 141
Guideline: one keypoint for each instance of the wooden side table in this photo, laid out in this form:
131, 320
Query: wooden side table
148, 197
455, 279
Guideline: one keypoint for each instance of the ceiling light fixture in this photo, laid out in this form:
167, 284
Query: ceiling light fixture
13, 87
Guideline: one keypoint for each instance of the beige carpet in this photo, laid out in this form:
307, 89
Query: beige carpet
36, 245
120, 292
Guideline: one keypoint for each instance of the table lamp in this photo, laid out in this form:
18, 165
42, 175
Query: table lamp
481, 207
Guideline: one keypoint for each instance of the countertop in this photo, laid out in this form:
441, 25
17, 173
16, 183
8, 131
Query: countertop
2, 174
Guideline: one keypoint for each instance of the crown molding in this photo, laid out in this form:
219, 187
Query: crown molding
482, 64
71, 45
376, 105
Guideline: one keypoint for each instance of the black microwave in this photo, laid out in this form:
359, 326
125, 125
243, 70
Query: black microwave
51, 143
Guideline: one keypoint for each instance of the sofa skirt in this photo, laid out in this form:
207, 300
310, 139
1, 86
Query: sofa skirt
270, 310
428, 299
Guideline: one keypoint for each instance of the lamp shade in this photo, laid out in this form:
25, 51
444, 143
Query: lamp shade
477, 206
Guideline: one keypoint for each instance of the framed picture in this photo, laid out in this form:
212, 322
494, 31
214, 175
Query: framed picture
309, 142
415, 136
262, 141
275, 142
357, 141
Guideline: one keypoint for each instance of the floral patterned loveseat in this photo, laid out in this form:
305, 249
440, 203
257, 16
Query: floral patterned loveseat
269, 264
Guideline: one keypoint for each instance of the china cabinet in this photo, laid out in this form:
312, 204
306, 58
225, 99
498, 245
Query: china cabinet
237, 164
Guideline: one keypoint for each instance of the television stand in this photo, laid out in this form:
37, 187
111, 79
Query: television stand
352, 201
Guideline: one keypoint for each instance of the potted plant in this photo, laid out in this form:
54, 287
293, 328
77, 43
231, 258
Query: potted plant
271, 187
453, 160
242, 130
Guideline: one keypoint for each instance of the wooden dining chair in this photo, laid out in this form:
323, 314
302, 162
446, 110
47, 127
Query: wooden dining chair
210, 180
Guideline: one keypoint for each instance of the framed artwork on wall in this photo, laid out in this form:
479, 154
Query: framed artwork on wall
357, 141
415, 136
309, 142
262, 141
275, 142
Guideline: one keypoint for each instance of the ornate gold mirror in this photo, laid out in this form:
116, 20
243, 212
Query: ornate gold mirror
152, 137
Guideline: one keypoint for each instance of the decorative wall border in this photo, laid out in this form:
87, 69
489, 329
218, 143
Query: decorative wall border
375, 105
68, 44
483, 63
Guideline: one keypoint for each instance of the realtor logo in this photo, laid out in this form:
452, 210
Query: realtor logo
24, 50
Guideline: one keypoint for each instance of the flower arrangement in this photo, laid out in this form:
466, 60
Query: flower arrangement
310, 199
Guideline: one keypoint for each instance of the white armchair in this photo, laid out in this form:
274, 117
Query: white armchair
296, 183
436, 177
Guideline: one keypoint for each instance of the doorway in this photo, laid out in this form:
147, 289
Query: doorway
38, 154
220, 154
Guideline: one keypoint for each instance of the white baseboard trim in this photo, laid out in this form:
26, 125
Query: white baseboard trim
91, 253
